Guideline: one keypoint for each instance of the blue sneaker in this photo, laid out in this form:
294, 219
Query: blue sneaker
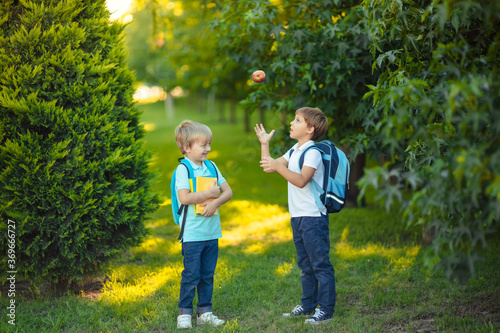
298, 311
320, 317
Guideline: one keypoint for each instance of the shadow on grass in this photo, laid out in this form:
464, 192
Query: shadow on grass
257, 278
381, 284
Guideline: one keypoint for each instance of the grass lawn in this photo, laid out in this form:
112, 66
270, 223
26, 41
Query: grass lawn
382, 285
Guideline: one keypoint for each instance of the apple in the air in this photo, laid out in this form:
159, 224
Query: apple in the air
258, 76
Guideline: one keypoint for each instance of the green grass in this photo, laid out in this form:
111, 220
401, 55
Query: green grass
382, 285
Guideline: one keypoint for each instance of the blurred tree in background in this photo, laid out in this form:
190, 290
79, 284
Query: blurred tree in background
180, 51
74, 174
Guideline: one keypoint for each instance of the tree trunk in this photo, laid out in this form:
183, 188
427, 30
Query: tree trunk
357, 171
262, 116
201, 103
428, 235
232, 111
211, 103
283, 118
169, 105
246, 120
222, 110
61, 287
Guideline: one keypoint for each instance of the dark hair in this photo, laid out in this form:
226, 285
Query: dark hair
314, 117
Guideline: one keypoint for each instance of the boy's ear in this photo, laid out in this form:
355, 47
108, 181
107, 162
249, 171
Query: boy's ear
187, 148
310, 130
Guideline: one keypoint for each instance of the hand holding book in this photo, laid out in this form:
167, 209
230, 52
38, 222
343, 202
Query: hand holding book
208, 184
214, 188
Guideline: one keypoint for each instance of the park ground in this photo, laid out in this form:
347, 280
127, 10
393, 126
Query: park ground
382, 283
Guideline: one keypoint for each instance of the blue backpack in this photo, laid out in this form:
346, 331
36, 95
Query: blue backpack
335, 179
178, 210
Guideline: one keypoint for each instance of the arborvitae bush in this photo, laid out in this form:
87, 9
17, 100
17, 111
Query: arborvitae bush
74, 174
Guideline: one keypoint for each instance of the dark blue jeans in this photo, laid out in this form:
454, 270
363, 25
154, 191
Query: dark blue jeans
312, 242
200, 260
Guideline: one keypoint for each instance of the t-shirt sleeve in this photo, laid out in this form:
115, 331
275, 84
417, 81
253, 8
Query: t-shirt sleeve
181, 178
286, 155
312, 158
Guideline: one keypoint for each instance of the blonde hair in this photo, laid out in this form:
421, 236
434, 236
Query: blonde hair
189, 132
314, 117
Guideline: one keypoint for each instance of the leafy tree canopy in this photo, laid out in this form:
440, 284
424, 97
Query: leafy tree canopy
436, 111
314, 53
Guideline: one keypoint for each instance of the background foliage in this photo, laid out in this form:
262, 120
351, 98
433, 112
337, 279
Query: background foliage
74, 174
172, 46
412, 85
313, 53
436, 111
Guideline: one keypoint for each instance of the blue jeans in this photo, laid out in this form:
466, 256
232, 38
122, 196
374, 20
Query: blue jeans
312, 243
200, 260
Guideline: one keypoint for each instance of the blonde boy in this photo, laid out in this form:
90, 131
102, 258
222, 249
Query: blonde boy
309, 223
200, 241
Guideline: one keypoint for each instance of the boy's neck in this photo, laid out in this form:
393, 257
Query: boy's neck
304, 140
198, 163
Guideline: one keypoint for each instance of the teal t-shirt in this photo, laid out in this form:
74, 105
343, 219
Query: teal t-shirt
198, 228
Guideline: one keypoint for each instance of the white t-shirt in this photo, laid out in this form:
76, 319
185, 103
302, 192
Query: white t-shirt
301, 200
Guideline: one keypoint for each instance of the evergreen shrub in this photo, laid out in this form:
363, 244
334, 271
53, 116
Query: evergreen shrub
74, 174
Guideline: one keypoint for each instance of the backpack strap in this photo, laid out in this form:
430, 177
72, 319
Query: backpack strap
317, 189
183, 224
182, 206
302, 156
213, 170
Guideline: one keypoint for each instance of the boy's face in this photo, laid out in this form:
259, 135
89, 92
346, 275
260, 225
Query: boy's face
299, 129
198, 151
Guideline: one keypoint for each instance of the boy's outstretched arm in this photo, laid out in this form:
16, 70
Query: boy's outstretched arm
264, 139
298, 179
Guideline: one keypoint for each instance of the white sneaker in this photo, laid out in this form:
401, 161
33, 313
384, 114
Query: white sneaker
184, 321
209, 318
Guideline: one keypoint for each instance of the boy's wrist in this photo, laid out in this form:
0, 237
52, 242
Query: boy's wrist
280, 167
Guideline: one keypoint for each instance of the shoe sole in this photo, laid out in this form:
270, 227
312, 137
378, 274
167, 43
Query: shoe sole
319, 322
209, 324
184, 327
185, 324
200, 323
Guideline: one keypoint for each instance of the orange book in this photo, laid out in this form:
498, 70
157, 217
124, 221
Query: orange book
200, 184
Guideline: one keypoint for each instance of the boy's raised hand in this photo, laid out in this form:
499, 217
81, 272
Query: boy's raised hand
262, 135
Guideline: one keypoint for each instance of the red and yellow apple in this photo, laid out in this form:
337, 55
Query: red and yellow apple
258, 76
